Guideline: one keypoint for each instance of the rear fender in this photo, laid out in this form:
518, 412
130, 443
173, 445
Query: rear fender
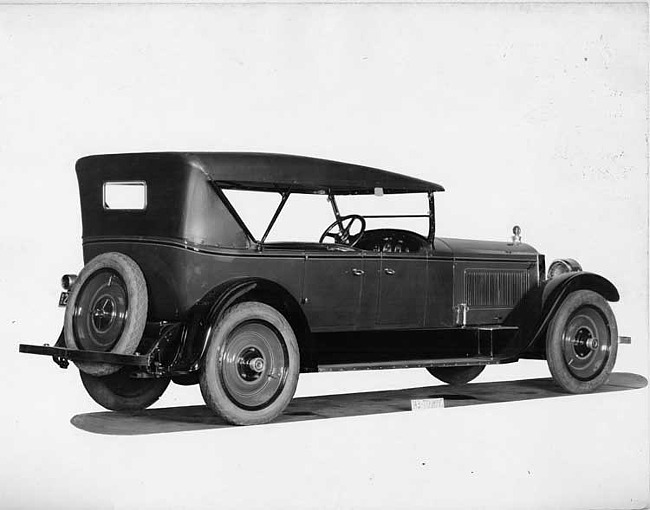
534, 313
212, 307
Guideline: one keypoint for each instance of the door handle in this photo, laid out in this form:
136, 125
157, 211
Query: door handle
389, 271
357, 272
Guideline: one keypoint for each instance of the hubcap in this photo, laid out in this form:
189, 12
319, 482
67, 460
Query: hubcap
253, 365
100, 311
586, 343
257, 365
250, 364
104, 313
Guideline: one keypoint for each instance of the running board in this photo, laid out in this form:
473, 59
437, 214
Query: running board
416, 363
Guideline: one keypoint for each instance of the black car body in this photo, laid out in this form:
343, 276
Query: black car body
178, 288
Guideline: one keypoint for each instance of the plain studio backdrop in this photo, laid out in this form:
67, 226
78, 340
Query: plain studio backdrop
528, 114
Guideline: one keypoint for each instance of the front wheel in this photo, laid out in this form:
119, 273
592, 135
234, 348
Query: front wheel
582, 342
121, 392
250, 368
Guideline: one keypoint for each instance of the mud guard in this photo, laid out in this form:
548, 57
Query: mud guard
533, 313
215, 303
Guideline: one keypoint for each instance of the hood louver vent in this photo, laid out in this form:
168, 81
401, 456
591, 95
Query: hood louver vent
495, 287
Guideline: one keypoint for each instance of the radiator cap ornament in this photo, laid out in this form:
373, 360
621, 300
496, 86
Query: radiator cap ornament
516, 238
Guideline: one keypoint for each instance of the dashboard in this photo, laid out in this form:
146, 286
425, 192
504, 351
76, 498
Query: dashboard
389, 240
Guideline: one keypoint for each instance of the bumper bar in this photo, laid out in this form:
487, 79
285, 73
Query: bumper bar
63, 353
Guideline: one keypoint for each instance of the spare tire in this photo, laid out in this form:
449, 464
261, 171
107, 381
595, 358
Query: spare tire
106, 310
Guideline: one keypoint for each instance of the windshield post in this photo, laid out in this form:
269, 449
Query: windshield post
285, 196
335, 208
432, 219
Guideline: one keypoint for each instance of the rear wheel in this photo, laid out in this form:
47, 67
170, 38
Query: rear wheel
250, 368
456, 375
106, 310
582, 342
122, 392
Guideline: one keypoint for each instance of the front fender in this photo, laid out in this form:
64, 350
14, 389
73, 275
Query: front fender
535, 311
560, 286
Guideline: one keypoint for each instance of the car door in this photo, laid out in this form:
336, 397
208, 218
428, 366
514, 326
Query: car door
332, 289
402, 290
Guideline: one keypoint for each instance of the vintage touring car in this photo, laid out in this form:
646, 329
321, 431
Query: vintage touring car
175, 287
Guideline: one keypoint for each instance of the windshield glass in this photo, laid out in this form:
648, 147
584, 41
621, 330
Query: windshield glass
386, 205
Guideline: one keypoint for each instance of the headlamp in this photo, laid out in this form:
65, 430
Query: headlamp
562, 266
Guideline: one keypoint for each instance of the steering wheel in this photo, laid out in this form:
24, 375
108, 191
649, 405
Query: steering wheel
342, 235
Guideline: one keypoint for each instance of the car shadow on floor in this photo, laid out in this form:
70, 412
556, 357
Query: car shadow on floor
178, 419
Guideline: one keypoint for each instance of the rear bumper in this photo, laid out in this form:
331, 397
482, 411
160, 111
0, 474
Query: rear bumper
63, 354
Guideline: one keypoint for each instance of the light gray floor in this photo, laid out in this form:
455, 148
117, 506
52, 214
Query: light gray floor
184, 418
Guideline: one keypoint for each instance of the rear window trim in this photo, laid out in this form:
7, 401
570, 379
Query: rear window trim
141, 183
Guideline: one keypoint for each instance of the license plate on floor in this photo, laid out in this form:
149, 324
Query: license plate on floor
63, 299
427, 403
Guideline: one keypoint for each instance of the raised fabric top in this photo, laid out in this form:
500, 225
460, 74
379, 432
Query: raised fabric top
276, 172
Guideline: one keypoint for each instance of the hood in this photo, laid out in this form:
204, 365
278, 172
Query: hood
470, 248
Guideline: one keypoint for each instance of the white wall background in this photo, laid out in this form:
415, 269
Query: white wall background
527, 114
